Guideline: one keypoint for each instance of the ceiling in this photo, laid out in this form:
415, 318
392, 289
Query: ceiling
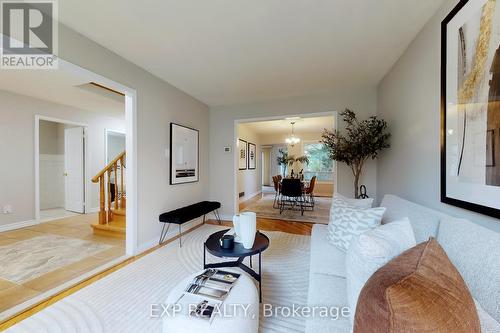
240, 51
65, 88
283, 127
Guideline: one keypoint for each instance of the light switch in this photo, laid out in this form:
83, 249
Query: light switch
7, 209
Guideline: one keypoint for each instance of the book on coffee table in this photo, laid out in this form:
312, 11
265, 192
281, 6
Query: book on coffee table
206, 292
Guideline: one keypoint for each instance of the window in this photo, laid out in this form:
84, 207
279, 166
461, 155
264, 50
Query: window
320, 164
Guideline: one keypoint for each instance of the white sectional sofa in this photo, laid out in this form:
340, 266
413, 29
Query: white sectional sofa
474, 250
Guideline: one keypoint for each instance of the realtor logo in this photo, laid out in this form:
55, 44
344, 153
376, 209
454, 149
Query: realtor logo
29, 34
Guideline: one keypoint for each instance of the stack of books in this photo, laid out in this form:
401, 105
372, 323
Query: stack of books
207, 291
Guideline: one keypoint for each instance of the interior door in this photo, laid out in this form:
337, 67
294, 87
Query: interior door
74, 170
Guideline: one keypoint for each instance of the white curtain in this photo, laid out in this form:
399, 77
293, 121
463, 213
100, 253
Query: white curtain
275, 168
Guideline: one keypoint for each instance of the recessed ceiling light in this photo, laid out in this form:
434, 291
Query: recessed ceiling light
292, 118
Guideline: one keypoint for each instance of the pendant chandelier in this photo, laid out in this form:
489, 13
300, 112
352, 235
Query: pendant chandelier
292, 140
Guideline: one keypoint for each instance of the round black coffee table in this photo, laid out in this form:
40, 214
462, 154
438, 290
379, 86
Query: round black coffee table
212, 245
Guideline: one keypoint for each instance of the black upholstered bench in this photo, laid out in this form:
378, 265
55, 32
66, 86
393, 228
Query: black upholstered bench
186, 214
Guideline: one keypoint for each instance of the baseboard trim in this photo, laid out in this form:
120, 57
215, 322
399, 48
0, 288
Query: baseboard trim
249, 196
18, 225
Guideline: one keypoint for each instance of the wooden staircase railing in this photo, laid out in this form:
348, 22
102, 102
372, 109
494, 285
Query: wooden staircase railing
114, 168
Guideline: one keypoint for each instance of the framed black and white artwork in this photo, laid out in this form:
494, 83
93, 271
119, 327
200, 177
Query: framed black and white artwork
242, 154
252, 151
184, 154
470, 107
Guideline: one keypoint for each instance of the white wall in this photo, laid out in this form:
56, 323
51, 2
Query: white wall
158, 104
51, 138
17, 174
408, 98
249, 181
116, 145
222, 132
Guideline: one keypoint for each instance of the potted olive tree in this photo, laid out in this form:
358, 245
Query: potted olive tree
361, 141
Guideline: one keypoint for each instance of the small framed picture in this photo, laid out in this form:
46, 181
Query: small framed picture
242, 154
252, 151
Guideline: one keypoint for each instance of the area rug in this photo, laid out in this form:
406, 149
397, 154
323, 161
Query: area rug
121, 301
28, 259
264, 208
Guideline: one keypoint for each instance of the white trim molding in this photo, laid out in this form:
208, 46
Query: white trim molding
18, 225
249, 196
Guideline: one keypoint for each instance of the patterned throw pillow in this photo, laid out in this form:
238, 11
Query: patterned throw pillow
348, 222
337, 201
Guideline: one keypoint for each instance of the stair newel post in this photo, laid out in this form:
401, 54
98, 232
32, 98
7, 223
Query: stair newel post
110, 217
102, 207
123, 197
115, 185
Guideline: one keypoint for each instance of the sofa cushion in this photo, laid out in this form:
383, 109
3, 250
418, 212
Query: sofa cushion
340, 201
325, 258
360, 203
475, 251
349, 222
425, 221
418, 291
372, 250
488, 324
327, 291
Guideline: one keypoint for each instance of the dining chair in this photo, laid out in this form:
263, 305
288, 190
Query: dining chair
309, 192
291, 195
277, 186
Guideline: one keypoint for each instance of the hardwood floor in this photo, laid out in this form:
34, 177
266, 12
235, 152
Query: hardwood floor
73, 289
75, 227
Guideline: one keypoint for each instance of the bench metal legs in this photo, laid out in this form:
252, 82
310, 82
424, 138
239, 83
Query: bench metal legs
165, 232
180, 236
217, 216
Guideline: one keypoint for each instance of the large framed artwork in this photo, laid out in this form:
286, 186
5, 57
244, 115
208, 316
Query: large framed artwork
252, 151
242, 154
470, 107
184, 154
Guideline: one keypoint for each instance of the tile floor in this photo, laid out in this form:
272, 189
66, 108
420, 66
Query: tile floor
55, 214
77, 226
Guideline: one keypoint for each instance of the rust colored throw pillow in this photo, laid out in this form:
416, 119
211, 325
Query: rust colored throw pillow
420, 291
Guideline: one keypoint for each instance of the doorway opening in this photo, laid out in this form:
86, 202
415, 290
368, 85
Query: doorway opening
272, 149
63, 116
62, 164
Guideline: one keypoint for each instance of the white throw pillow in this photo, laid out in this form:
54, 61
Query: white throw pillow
372, 250
340, 200
488, 324
347, 222
360, 203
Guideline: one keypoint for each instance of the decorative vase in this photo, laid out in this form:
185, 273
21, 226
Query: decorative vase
248, 228
236, 226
